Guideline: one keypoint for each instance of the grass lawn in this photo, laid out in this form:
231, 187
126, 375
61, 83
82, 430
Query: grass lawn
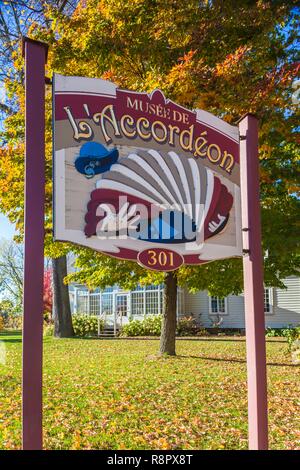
116, 394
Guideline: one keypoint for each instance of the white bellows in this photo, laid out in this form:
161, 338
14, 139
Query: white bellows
164, 179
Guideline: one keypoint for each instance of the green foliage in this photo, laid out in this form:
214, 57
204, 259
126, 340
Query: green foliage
203, 332
275, 332
47, 316
247, 65
48, 329
6, 308
149, 326
98, 270
85, 325
291, 334
10, 316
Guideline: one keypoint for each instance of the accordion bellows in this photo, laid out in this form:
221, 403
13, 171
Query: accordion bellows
183, 192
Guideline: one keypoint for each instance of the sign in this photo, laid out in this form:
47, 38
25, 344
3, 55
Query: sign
109, 140
139, 177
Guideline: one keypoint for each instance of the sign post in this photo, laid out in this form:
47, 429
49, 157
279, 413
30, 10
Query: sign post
35, 57
139, 177
253, 285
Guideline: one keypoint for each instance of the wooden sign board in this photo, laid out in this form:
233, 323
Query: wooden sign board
141, 178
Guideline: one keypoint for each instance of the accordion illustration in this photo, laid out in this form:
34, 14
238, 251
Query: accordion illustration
158, 197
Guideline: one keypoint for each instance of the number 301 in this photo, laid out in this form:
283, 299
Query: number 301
162, 258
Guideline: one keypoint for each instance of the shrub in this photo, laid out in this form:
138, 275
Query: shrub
152, 325
6, 307
149, 326
292, 335
295, 349
274, 332
187, 326
47, 317
1, 324
10, 315
202, 332
48, 329
85, 325
13, 322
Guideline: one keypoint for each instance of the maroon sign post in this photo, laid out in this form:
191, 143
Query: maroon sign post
35, 57
253, 285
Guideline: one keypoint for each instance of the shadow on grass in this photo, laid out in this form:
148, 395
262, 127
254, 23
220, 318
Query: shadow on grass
14, 336
239, 339
238, 361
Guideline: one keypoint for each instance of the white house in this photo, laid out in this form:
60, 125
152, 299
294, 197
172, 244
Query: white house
282, 306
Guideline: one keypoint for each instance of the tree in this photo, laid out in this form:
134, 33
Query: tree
16, 18
201, 56
63, 327
11, 273
167, 338
222, 56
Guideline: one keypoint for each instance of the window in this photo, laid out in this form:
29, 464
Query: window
94, 304
107, 303
217, 306
267, 301
147, 300
122, 304
143, 300
152, 302
72, 300
108, 289
137, 303
82, 302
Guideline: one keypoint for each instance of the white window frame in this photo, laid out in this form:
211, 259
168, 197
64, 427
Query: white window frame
271, 301
137, 302
217, 313
82, 298
127, 296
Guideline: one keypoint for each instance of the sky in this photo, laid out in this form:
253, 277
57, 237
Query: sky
7, 229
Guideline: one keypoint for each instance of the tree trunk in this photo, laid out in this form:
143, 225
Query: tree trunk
63, 327
168, 330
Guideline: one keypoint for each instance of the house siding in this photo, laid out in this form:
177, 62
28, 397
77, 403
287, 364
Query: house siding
285, 307
286, 304
197, 304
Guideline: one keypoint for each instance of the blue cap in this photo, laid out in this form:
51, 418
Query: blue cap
94, 158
